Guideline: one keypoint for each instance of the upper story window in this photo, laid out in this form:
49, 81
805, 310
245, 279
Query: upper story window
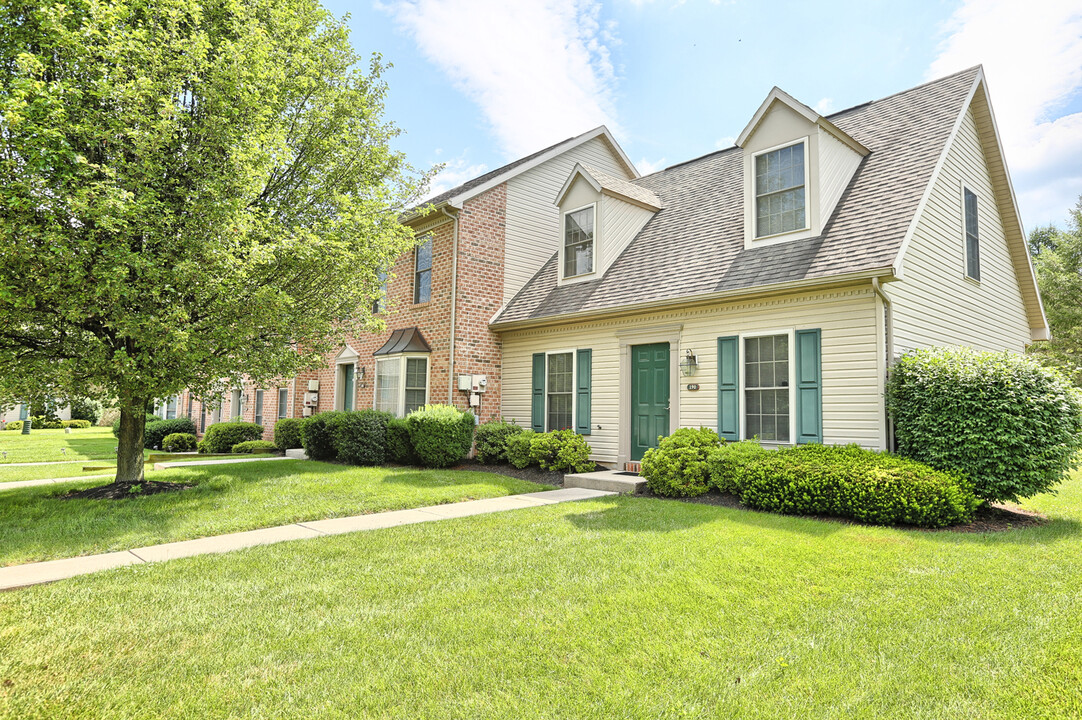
973, 242
779, 191
380, 303
579, 242
422, 272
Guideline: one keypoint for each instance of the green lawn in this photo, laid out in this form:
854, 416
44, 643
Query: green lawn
37, 524
95, 443
46, 472
622, 607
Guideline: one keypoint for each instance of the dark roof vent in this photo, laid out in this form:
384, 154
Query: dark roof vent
404, 340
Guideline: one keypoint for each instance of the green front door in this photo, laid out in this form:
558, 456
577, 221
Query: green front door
348, 389
649, 396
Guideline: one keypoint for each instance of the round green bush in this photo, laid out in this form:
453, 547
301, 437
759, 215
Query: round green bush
491, 440
14, 425
287, 433
359, 437
399, 447
44, 422
1011, 425
154, 433
221, 437
316, 436
441, 435
862, 484
677, 466
725, 464
76, 424
254, 446
518, 448
179, 442
562, 450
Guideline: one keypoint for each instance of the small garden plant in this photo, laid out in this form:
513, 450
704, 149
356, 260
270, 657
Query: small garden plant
179, 442
560, 450
221, 437
491, 440
254, 446
287, 433
677, 467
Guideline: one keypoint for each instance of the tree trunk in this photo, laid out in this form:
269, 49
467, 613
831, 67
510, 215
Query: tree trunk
129, 455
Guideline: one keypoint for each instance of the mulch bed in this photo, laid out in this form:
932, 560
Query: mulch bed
120, 491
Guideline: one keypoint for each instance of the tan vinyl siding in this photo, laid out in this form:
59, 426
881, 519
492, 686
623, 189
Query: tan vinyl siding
532, 220
837, 163
620, 222
935, 304
852, 403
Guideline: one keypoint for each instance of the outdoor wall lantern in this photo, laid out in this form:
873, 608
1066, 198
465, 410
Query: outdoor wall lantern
689, 364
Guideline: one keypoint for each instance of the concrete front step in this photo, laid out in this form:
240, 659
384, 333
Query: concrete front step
297, 454
607, 480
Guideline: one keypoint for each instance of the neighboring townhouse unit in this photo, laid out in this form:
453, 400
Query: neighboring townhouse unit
762, 290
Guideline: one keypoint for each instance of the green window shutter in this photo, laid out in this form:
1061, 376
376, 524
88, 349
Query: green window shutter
537, 401
729, 388
582, 391
809, 387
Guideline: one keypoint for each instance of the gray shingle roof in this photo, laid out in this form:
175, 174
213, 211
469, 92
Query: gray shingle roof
696, 243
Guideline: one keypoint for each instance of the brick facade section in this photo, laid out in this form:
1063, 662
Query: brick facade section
478, 296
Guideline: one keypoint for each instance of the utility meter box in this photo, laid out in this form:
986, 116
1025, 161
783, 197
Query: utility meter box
313, 386
465, 382
311, 399
478, 383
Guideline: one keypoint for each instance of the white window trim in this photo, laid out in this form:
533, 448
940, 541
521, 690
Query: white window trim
427, 239
563, 244
574, 384
278, 410
400, 402
256, 405
791, 332
965, 239
807, 190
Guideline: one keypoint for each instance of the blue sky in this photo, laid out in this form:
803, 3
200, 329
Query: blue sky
477, 83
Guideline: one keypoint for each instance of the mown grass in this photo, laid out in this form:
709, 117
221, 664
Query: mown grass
621, 607
47, 472
37, 523
94, 443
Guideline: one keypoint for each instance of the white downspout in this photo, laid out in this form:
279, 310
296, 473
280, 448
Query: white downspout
454, 289
889, 350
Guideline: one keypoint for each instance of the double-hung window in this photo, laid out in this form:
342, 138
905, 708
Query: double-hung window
258, 407
171, 408
422, 272
973, 243
579, 242
283, 402
779, 191
766, 388
560, 390
401, 384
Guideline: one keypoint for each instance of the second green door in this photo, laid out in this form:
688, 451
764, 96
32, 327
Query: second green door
649, 396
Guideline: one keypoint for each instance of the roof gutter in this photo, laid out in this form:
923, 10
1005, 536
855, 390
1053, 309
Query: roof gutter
691, 300
454, 292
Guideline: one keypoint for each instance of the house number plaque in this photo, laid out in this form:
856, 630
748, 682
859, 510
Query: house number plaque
693, 386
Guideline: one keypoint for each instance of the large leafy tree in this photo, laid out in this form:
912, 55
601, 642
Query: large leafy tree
1058, 262
190, 190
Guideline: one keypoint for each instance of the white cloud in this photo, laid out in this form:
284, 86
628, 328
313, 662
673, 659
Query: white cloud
1032, 57
539, 71
455, 172
648, 167
825, 106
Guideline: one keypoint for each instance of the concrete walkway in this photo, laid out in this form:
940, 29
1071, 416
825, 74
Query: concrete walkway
18, 576
14, 484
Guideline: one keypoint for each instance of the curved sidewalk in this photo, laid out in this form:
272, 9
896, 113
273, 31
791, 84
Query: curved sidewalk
17, 576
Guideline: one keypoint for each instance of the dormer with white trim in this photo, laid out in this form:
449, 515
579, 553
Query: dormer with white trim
797, 165
599, 215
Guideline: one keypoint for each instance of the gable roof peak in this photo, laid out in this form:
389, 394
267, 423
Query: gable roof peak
603, 182
777, 95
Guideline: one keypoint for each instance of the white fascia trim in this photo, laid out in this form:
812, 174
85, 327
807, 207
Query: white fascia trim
600, 131
576, 172
899, 270
778, 95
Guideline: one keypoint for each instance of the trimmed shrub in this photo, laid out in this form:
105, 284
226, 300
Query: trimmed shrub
44, 422
399, 447
254, 446
221, 437
677, 466
77, 424
725, 464
154, 433
287, 433
14, 425
359, 437
179, 442
1011, 425
86, 409
116, 423
441, 435
491, 440
563, 450
518, 448
316, 436
848, 481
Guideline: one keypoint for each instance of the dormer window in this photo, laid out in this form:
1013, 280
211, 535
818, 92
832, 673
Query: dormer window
579, 242
779, 191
